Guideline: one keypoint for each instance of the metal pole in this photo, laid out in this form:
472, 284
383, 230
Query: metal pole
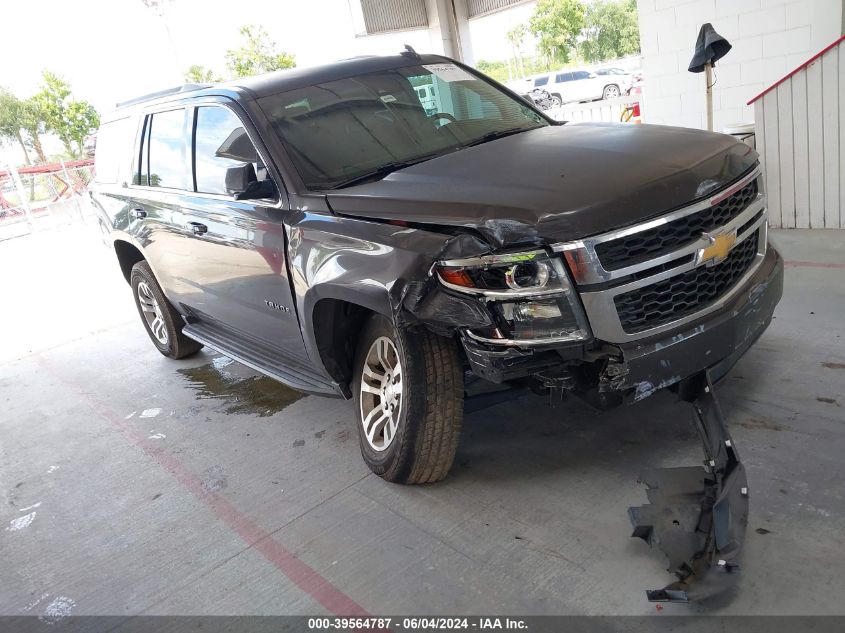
24, 201
708, 78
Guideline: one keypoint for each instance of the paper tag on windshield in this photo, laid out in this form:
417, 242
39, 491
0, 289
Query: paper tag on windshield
448, 72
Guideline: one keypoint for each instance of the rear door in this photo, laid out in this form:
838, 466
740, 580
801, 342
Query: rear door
593, 85
160, 179
580, 85
563, 87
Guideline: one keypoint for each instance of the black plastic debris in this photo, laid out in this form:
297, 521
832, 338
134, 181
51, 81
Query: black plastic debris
697, 515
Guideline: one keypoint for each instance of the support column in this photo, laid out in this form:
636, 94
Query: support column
448, 26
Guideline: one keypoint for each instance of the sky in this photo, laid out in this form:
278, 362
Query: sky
113, 50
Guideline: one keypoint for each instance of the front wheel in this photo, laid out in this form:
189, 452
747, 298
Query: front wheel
408, 395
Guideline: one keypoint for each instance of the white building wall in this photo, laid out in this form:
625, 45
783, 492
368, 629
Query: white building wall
800, 128
769, 37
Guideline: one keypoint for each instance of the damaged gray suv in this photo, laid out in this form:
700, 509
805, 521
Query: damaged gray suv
327, 228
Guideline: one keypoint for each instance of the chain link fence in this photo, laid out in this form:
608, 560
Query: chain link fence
43, 197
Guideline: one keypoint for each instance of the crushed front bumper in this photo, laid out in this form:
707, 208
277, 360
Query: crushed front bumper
714, 343
636, 370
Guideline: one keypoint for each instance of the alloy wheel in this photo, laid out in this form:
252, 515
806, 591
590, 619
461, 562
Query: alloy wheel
381, 393
611, 92
152, 313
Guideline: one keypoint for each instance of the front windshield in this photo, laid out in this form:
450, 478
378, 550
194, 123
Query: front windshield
340, 131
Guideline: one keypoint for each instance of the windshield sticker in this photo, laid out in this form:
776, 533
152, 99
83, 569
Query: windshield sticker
448, 72
387, 98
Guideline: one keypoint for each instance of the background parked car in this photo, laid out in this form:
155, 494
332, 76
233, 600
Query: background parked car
566, 86
542, 99
624, 78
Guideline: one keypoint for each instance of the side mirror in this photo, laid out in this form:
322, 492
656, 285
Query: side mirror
238, 178
258, 190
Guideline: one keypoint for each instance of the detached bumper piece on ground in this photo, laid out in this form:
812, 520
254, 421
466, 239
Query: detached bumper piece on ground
697, 516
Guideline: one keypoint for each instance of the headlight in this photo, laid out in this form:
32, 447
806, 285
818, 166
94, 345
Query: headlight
529, 294
505, 276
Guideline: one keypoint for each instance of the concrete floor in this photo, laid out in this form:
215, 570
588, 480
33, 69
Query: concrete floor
132, 484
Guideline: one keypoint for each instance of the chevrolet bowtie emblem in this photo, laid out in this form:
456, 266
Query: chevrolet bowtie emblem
720, 246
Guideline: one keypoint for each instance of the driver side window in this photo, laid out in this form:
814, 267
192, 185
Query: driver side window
221, 142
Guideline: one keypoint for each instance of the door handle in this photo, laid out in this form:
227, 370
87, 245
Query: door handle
138, 214
198, 228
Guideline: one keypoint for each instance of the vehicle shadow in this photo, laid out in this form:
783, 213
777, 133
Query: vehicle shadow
525, 435
584, 454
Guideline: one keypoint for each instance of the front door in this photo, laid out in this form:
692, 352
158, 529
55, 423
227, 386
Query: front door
237, 248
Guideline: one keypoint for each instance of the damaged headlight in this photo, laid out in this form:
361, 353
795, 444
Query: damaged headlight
529, 294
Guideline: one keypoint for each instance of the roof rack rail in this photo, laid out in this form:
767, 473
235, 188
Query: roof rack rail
162, 93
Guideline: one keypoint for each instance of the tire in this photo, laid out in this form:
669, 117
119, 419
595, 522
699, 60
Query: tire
429, 408
611, 92
556, 101
161, 320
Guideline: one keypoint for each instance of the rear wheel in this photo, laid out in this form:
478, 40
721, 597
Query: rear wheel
161, 320
610, 92
408, 394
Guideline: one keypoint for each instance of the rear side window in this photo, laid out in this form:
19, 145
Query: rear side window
167, 161
113, 146
220, 143
582, 74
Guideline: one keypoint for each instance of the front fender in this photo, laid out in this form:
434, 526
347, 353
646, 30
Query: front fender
369, 264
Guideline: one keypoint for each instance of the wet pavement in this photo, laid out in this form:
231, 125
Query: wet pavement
132, 484
235, 392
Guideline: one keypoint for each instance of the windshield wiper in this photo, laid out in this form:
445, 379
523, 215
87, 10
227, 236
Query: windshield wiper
384, 170
492, 136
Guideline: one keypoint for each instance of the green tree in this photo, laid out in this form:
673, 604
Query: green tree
10, 120
516, 36
22, 120
612, 30
69, 119
498, 70
199, 74
32, 122
257, 55
558, 23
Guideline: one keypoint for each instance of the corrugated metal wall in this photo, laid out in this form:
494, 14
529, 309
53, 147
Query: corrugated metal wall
381, 16
800, 129
480, 7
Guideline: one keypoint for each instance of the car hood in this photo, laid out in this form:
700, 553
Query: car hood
555, 183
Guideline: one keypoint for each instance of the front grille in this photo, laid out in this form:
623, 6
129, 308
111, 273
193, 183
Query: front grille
645, 245
684, 294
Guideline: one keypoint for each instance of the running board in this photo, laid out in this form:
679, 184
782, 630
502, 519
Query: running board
255, 356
